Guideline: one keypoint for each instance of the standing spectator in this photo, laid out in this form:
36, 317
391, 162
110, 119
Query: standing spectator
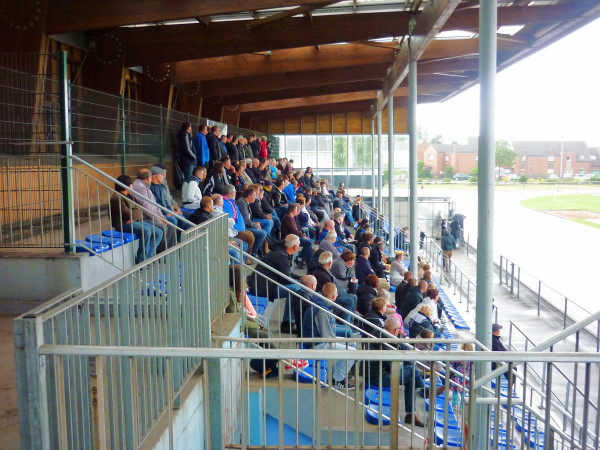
231, 146
201, 146
214, 146
186, 154
262, 152
448, 245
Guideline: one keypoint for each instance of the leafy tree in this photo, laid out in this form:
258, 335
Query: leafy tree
423, 171
422, 134
438, 139
448, 172
474, 172
505, 156
340, 151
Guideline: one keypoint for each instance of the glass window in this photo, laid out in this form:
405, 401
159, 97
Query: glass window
568, 158
523, 157
550, 158
293, 149
430, 157
309, 151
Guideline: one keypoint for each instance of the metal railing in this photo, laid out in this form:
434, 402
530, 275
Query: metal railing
308, 410
167, 301
523, 284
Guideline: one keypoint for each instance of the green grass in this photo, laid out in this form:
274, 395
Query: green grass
585, 202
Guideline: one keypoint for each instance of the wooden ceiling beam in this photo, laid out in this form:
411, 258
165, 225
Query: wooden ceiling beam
65, 16
288, 13
293, 80
468, 19
279, 61
341, 98
429, 23
282, 94
159, 44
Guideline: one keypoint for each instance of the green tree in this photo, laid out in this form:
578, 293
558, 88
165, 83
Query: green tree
474, 172
422, 170
448, 172
438, 139
505, 156
422, 134
340, 151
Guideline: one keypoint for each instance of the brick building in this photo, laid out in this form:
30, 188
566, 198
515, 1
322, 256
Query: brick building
563, 158
461, 157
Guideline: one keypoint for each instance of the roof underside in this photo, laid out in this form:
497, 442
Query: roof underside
278, 58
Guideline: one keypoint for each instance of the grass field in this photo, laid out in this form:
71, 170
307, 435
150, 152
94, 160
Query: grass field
579, 202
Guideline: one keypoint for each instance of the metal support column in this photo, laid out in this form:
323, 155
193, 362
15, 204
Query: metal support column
66, 151
373, 204
161, 154
379, 165
390, 105
485, 220
413, 198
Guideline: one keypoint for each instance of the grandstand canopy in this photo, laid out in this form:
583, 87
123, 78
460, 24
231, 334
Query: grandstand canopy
280, 58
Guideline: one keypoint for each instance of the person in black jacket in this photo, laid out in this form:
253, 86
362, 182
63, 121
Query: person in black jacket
203, 213
214, 147
231, 146
376, 257
403, 288
376, 317
413, 297
186, 155
366, 292
243, 203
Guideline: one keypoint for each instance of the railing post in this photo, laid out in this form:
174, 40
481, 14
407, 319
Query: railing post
565, 316
512, 276
519, 282
500, 269
66, 151
161, 154
539, 296
123, 123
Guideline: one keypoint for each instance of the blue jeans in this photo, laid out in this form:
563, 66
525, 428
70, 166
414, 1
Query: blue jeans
259, 237
306, 253
349, 217
265, 224
149, 236
276, 226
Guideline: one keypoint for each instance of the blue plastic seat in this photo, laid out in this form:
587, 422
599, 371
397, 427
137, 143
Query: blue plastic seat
90, 247
440, 403
308, 374
451, 421
111, 242
259, 303
454, 437
372, 396
372, 415
126, 237
392, 288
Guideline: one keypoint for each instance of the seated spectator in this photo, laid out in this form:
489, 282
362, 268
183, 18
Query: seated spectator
420, 321
376, 316
254, 226
367, 240
366, 292
356, 206
340, 229
320, 323
126, 216
323, 275
328, 244
289, 226
342, 270
264, 195
363, 266
161, 196
203, 213
290, 191
397, 269
216, 179
230, 207
304, 221
428, 276
403, 288
192, 189
423, 267
413, 297
464, 370
153, 214
410, 377
363, 227
376, 257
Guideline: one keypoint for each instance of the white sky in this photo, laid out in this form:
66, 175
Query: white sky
552, 95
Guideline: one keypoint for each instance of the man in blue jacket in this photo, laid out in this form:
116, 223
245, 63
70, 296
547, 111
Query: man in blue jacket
201, 146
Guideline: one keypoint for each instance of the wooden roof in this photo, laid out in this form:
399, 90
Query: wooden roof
279, 58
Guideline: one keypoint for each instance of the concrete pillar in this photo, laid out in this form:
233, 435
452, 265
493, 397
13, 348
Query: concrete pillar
390, 105
413, 198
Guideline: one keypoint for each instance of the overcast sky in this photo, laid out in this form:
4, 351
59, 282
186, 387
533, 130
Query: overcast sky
552, 95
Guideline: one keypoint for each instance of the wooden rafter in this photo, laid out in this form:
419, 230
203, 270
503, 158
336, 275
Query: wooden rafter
305, 9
